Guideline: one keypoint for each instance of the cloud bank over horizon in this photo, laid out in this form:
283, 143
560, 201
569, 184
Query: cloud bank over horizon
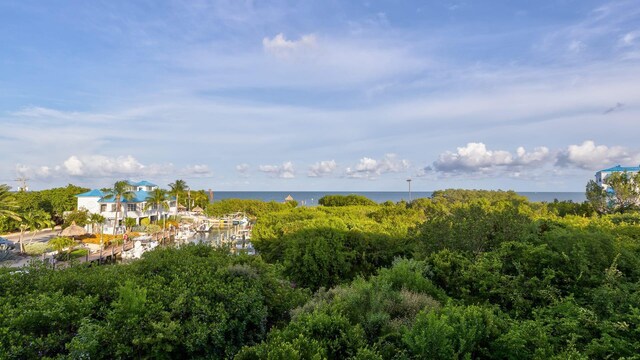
474, 160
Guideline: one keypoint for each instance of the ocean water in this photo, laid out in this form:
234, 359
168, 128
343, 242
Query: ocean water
310, 198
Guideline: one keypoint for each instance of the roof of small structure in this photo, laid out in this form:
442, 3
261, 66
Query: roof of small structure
288, 198
92, 193
622, 168
73, 230
197, 209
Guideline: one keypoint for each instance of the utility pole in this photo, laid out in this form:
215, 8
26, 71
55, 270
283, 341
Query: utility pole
23, 181
409, 182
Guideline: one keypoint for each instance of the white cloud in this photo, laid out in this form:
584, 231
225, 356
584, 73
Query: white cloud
539, 155
576, 46
322, 168
590, 156
371, 168
629, 38
476, 158
242, 168
104, 166
35, 113
199, 169
281, 47
74, 166
100, 166
284, 171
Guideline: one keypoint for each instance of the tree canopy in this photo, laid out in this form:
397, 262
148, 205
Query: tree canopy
464, 275
345, 200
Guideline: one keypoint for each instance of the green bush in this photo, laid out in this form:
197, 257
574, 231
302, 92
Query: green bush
345, 200
37, 248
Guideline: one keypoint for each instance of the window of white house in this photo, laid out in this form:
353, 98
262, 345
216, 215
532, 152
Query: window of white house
113, 207
131, 207
103, 207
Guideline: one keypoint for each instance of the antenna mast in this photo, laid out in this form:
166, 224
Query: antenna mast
23, 181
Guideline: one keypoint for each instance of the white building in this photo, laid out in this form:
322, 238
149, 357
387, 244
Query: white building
95, 203
603, 174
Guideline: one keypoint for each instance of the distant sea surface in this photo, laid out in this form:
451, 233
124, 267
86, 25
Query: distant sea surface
310, 198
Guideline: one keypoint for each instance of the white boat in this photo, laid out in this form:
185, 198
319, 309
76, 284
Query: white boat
185, 234
243, 221
204, 227
139, 248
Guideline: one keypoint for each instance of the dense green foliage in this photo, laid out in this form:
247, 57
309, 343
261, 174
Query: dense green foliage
564, 208
325, 246
463, 275
501, 278
79, 217
461, 195
187, 197
8, 203
195, 302
345, 200
54, 201
250, 207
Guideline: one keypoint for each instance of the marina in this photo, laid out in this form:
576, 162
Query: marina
232, 231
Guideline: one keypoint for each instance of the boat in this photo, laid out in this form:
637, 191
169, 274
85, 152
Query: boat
204, 228
243, 221
141, 245
185, 234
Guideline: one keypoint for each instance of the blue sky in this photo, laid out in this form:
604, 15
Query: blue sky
319, 95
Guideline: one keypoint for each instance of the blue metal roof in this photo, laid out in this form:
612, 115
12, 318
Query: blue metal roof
139, 196
142, 183
622, 168
92, 193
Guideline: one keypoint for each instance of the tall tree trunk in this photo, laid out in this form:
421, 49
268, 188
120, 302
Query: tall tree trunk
115, 224
22, 248
33, 236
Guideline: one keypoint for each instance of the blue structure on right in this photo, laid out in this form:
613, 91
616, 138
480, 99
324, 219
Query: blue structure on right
603, 174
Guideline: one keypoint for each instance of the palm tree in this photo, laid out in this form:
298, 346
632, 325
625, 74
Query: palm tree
121, 191
33, 220
95, 219
60, 242
178, 188
157, 198
200, 198
37, 220
129, 223
8, 203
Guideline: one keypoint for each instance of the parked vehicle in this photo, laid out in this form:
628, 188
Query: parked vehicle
7, 244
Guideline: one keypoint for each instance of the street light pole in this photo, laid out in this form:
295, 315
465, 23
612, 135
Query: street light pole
164, 228
188, 200
409, 182
101, 242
